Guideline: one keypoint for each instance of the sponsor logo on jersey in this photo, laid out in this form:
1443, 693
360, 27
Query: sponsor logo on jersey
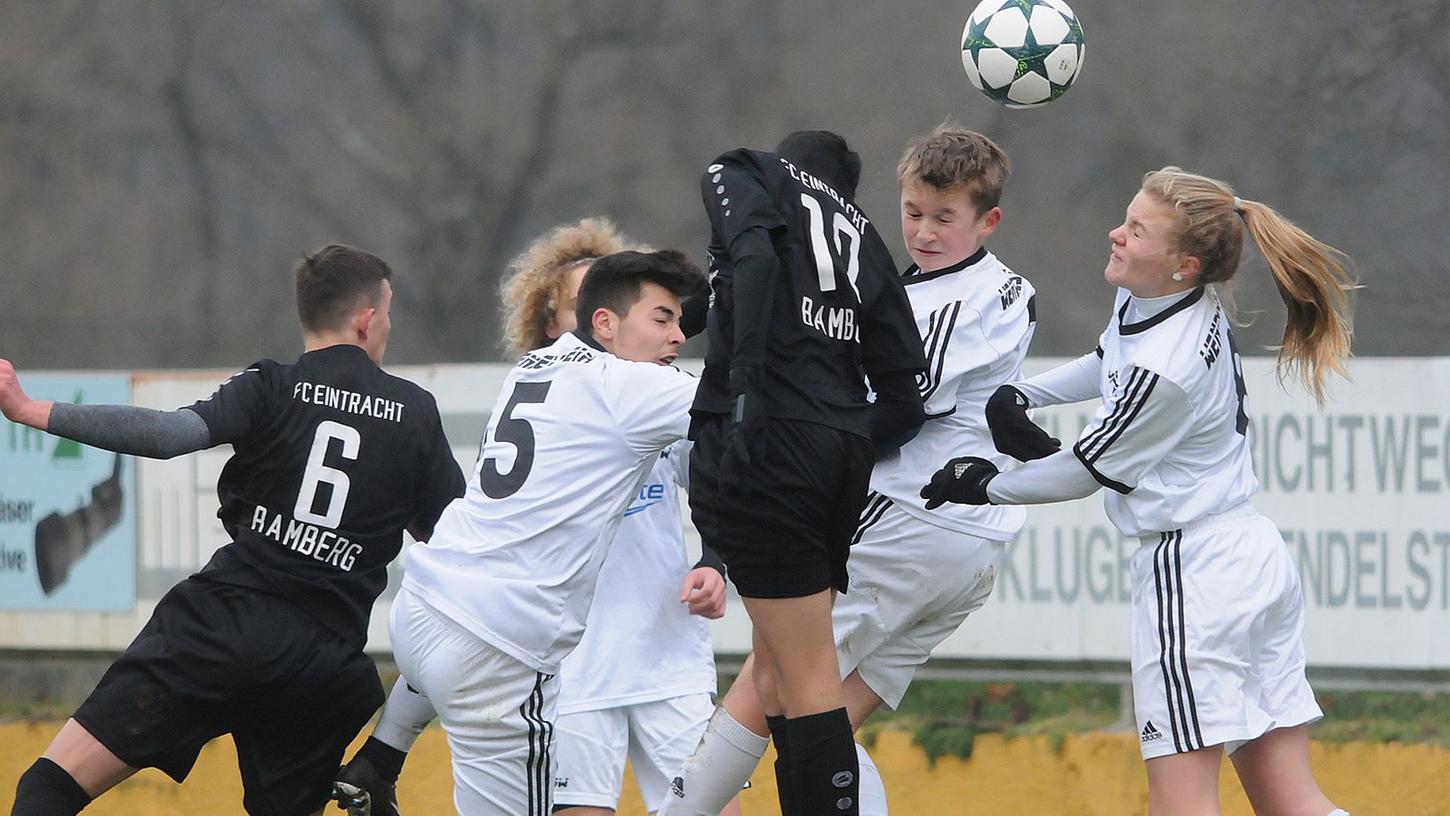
561, 781
677, 786
810, 182
1010, 291
352, 402
536, 360
1150, 733
1213, 343
649, 496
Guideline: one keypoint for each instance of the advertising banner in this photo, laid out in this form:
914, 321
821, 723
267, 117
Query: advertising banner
67, 512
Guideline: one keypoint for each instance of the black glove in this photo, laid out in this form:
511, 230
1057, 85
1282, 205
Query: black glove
1012, 431
745, 440
962, 480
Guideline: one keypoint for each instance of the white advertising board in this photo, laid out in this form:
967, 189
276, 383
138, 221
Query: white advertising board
1360, 490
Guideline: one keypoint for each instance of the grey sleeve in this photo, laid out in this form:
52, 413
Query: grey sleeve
131, 430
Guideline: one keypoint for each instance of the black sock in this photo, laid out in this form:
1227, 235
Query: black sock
46, 789
824, 763
387, 759
784, 784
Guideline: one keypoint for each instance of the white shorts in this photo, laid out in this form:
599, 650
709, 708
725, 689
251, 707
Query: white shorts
1217, 640
911, 585
655, 737
497, 712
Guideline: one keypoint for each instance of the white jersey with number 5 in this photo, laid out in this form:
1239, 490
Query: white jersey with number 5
640, 643
573, 435
1169, 440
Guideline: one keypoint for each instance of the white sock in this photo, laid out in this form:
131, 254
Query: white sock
405, 715
721, 765
1338, 812
873, 792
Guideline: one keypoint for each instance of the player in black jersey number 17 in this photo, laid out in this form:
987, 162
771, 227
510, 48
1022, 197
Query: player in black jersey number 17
804, 301
334, 459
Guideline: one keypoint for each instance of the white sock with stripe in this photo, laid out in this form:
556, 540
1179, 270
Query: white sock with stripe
721, 765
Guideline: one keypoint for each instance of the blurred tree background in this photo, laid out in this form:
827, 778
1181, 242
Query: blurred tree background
164, 162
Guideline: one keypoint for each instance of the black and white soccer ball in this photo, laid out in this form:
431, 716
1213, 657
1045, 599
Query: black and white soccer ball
1022, 53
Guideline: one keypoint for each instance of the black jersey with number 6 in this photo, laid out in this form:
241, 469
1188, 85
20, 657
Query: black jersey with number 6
837, 311
334, 459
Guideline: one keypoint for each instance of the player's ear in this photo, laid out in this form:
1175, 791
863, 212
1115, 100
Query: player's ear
1189, 267
362, 321
604, 324
991, 220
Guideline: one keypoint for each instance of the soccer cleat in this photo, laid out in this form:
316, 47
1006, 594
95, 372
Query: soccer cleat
362, 790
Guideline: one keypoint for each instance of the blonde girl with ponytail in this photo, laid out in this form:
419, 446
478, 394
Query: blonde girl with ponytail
1218, 610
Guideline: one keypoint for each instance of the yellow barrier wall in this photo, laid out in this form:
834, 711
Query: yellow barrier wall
1091, 775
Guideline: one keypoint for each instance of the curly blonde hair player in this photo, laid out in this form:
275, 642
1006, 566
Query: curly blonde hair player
537, 285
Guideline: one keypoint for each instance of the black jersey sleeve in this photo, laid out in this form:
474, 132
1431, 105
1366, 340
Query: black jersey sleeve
439, 481
890, 340
238, 407
740, 210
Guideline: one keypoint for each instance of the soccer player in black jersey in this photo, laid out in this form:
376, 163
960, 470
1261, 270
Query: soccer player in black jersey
334, 459
805, 305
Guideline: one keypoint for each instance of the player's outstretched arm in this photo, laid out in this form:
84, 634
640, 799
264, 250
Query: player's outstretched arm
18, 407
1013, 432
1073, 381
124, 429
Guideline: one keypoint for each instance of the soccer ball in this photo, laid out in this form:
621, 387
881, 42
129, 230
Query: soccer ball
1022, 53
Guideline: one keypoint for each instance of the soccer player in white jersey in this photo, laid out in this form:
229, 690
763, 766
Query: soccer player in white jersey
638, 687
915, 574
495, 600
1218, 612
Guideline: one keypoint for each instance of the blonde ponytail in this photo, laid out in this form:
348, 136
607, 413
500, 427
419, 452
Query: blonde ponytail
1312, 277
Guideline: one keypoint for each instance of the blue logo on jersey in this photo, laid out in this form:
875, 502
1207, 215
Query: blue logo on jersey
649, 496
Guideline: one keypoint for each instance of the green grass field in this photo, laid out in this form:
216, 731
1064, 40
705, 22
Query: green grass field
946, 716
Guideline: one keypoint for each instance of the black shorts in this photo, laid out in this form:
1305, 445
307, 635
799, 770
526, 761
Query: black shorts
787, 533
216, 659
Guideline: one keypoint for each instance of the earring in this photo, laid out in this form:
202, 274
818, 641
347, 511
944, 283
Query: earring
1177, 276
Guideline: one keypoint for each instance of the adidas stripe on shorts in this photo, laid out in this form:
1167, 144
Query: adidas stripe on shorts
1217, 636
498, 712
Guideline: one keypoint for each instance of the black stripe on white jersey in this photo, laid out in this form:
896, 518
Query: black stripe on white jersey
1096, 442
945, 320
1173, 643
876, 505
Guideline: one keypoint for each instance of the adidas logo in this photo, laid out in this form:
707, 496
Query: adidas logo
1150, 733
677, 786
